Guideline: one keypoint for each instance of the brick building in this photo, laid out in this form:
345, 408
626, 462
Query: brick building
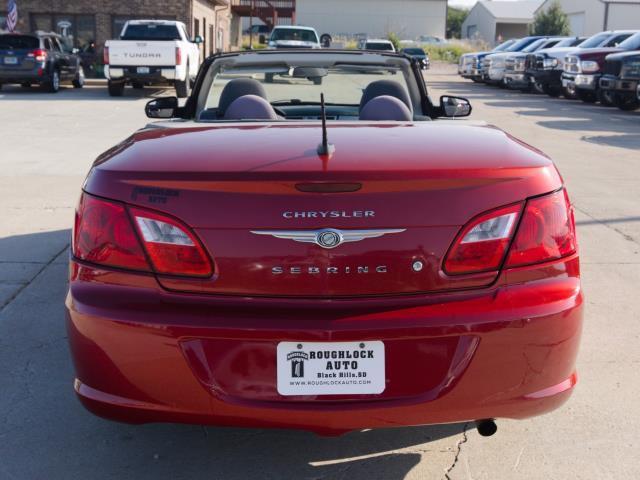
90, 22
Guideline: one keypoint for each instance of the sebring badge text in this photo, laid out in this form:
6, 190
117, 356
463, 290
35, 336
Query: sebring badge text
331, 214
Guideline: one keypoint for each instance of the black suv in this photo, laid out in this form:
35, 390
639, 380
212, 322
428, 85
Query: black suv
621, 79
39, 58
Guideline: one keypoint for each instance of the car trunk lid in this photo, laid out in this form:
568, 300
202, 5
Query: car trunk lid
251, 192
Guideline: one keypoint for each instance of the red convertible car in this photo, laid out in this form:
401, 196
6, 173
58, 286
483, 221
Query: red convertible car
322, 252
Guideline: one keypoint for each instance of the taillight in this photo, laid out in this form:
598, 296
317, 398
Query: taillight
39, 55
178, 56
104, 235
105, 55
107, 234
483, 243
172, 248
547, 231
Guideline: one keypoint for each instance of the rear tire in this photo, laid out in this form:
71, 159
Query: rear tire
569, 93
53, 84
25, 84
116, 89
587, 97
137, 85
317, 80
605, 98
183, 87
78, 81
552, 91
268, 78
627, 103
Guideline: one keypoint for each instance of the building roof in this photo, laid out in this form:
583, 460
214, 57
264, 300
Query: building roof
523, 10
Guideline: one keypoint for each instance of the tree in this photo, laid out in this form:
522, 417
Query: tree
552, 21
455, 19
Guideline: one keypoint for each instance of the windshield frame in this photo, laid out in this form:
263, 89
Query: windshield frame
417, 88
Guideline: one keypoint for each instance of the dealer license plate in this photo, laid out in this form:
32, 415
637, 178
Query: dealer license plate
331, 368
142, 69
11, 60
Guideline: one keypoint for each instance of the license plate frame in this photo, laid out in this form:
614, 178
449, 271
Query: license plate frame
10, 60
330, 368
143, 70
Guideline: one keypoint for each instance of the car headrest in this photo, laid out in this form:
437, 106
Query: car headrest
385, 87
250, 107
236, 88
386, 107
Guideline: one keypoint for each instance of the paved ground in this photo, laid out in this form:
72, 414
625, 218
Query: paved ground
48, 143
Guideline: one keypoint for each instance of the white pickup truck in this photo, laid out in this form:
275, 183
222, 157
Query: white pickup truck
152, 52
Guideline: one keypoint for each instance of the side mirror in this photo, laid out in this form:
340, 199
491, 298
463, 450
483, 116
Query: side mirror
262, 39
163, 107
453, 107
197, 39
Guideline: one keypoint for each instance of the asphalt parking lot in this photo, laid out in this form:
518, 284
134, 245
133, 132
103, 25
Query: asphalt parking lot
48, 142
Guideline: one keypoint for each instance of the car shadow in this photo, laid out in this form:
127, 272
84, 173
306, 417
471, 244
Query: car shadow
568, 115
45, 432
88, 93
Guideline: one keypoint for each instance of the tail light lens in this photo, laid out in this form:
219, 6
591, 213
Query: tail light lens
483, 243
104, 235
107, 234
547, 231
172, 248
105, 55
39, 55
178, 56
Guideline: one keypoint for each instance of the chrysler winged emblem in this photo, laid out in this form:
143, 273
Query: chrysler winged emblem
327, 237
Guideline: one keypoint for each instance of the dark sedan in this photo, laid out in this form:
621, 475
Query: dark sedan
420, 55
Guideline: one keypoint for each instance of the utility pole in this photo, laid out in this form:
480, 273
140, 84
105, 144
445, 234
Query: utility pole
251, 26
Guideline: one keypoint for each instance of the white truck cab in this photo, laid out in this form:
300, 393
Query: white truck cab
152, 52
293, 36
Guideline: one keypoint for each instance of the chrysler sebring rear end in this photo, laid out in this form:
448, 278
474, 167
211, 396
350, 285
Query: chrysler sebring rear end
225, 270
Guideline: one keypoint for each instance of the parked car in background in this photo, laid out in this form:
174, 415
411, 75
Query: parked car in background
44, 59
621, 79
544, 68
380, 45
431, 40
470, 64
515, 64
587, 66
152, 52
258, 30
565, 45
420, 55
561, 82
286, 36
494, 64
493, 68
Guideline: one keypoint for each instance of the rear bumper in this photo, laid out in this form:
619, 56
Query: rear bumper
146, 355
154, 75
18, 76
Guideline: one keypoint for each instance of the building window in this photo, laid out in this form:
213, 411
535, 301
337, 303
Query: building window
79, 30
